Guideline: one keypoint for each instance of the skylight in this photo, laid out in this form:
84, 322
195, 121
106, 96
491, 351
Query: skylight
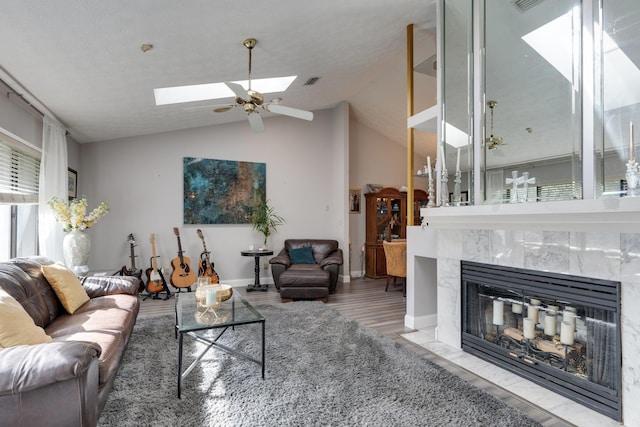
455, 137
203, 92
553, 41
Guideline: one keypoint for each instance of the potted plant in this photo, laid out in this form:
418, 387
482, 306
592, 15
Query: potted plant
265, 220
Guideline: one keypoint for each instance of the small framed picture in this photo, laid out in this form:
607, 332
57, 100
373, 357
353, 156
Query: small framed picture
355, 199
73, 183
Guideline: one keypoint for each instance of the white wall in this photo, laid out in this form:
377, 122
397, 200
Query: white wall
141, 177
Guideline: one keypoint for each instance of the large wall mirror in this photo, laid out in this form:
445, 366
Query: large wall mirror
532, 107
617, 55
557, 90
457, 82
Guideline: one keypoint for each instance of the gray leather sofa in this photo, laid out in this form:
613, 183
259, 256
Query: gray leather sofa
314, 280
65, 382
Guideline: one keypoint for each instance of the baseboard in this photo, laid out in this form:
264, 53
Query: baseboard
420, 322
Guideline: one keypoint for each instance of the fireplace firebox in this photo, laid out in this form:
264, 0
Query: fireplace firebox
559, 331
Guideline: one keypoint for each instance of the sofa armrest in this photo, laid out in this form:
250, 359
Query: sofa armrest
334, 258
98, 286
282, 258
29, 367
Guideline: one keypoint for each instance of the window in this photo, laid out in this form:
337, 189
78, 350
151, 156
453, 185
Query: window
19, 180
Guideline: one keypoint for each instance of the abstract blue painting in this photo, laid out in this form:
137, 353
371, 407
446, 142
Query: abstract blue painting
222, 191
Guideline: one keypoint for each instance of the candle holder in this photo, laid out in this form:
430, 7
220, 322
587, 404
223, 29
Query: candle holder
632, 178
430, 192
444, 188
457, 196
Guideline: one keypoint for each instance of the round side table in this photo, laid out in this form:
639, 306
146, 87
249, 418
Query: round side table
256, 254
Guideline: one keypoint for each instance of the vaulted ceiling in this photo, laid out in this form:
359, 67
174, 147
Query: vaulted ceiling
82, 60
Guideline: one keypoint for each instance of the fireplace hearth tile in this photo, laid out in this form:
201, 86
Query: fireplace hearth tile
595, 255
630, 258
630, 332
476, 245
547, 251
507, 248
450, 244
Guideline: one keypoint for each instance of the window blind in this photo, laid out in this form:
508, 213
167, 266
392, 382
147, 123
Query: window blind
19, 173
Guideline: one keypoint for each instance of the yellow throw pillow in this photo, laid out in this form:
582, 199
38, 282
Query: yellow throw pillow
16, 326
66, 285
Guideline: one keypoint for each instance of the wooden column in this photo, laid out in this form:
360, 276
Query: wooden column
410, 144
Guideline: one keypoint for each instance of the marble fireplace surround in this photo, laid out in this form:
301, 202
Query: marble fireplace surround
593, 238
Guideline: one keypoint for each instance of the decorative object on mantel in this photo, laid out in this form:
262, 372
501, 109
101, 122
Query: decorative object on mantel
430, 191
457, 196
444, 188
632, 167
76, 244
515, 181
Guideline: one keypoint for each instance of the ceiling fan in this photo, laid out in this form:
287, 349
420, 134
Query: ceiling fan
493, 142
251, 101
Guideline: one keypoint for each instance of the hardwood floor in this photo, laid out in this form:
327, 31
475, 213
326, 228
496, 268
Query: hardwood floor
366, 301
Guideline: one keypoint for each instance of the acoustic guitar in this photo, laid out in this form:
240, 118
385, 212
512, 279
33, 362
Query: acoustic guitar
133, 271
155, 279
182, 276
205, 266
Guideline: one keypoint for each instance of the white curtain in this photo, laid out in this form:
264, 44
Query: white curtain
54, 181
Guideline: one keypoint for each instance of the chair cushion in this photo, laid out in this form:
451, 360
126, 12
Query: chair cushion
16, 326
66, 286
302, 255
304, 277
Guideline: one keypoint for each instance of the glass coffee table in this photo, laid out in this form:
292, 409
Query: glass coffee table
196, 321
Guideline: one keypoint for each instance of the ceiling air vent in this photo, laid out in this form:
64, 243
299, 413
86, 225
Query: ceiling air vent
311, 81
524, 5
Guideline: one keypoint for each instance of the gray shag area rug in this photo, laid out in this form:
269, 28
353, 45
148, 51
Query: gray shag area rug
322, 369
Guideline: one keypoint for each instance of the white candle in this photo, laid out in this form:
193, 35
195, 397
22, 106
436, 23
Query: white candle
498, 312
566, 333
550, 323
569, 317
534, 301
516, 308
443, 164
429, 166
529, 328
631, 150
210, 297
458, 162
532, 313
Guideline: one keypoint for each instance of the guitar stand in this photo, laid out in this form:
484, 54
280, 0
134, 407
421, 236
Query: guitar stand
156, 295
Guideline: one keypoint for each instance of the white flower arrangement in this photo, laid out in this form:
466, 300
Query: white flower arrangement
72, 214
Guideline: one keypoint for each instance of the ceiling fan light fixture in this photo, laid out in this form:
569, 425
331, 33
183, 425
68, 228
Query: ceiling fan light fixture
492, 142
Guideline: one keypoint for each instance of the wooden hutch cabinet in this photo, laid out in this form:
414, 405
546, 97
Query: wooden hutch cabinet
386, 219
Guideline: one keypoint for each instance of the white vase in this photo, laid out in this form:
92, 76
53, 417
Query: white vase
76, 246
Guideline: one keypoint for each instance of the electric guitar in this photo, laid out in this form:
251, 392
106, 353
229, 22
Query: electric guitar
205, 266
182, 276
133, 271
155, 279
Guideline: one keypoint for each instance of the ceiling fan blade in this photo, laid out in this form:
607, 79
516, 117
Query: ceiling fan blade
238, 90
256, 122
222, 108
288, 111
